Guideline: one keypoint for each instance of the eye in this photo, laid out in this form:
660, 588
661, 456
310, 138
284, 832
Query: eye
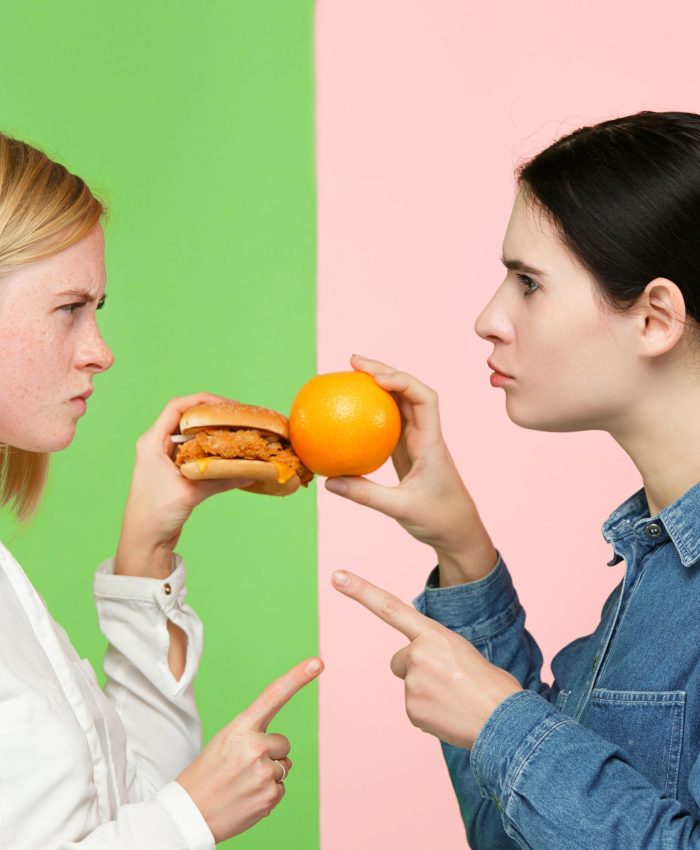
76, 305
529, 283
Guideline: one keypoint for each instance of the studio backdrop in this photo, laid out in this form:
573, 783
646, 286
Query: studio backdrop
288, 185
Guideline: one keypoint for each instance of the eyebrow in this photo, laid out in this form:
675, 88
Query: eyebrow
80, 293
520, 266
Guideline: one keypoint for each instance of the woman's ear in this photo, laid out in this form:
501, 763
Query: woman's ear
661, 309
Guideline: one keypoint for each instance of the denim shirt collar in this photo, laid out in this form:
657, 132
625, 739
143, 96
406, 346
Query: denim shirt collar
679, 520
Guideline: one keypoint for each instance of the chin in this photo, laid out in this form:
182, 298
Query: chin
62, 442
533, 420
48, 443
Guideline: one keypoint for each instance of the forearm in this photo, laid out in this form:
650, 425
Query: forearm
465, 551
139, 618
171, 821
144, 561
488, 614
139, 559
482, 819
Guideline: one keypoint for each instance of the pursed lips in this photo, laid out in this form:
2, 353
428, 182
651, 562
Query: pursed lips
491, 366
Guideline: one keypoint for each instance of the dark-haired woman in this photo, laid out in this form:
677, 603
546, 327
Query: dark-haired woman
595, 326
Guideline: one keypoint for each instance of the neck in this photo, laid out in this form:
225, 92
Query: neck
662, 437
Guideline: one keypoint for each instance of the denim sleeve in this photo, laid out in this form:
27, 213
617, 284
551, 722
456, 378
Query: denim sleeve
488, 614
557, 784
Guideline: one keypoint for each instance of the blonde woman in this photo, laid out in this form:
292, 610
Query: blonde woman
79, 766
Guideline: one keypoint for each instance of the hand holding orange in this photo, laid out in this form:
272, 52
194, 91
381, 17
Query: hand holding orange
344, 423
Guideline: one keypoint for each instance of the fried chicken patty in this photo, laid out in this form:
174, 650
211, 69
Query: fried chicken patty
246, 443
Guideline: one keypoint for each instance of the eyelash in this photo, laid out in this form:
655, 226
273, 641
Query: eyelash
528, 281
69, 309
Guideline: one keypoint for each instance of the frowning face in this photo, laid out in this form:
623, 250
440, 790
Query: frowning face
50, 345
571, 359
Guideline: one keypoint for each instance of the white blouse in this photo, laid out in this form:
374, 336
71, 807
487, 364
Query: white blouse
85, 768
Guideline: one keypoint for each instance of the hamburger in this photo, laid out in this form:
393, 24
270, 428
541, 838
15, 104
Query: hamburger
231, 440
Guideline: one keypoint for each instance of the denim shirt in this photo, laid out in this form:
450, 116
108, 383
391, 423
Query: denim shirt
607, 756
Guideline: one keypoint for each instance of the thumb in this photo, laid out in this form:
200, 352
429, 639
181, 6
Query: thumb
386, 500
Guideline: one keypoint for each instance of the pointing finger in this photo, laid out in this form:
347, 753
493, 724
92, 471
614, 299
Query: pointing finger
385, 605
275, 696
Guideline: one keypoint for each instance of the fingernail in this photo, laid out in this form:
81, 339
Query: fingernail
337, 485
341, 579
313, 666
361, 356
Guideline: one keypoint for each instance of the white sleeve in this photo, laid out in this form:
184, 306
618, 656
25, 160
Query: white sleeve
170, 821
158, 712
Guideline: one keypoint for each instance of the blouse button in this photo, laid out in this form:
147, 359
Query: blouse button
167, 589
653, 529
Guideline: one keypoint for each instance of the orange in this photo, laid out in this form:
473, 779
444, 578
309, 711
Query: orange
343, 423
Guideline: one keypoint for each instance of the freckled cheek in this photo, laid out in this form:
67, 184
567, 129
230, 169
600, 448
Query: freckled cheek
31, 363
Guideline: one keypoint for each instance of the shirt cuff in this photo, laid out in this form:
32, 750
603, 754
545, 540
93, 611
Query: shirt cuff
510, 736
165, 593
477, 610
188, 819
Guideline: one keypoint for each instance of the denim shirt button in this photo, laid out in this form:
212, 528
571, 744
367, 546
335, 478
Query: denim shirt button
653, 529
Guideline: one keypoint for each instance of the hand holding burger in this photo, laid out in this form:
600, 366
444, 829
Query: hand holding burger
160, 500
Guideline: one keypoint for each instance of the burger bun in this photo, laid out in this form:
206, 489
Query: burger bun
263, 473
233, 414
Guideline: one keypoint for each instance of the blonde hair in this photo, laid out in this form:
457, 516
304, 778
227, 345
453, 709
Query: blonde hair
43, 210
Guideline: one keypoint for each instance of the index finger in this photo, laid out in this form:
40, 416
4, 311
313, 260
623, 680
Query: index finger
418, 402
168, 420
385, 605
262, 710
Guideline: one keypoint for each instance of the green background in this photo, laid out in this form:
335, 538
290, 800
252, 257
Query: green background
194, 123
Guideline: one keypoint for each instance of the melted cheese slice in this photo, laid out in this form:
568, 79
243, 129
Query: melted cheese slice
203, 463
284, 472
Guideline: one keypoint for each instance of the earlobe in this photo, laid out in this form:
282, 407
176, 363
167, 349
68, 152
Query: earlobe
663, 309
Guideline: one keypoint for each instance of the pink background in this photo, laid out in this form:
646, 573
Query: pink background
424, 109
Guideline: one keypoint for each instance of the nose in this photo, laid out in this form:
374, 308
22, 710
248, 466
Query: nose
493, 323
95, 355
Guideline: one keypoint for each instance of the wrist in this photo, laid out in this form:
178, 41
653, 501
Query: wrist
502, 686
467, 565
143, 560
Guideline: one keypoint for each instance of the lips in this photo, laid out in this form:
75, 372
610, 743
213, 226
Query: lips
495, 369
85, 395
